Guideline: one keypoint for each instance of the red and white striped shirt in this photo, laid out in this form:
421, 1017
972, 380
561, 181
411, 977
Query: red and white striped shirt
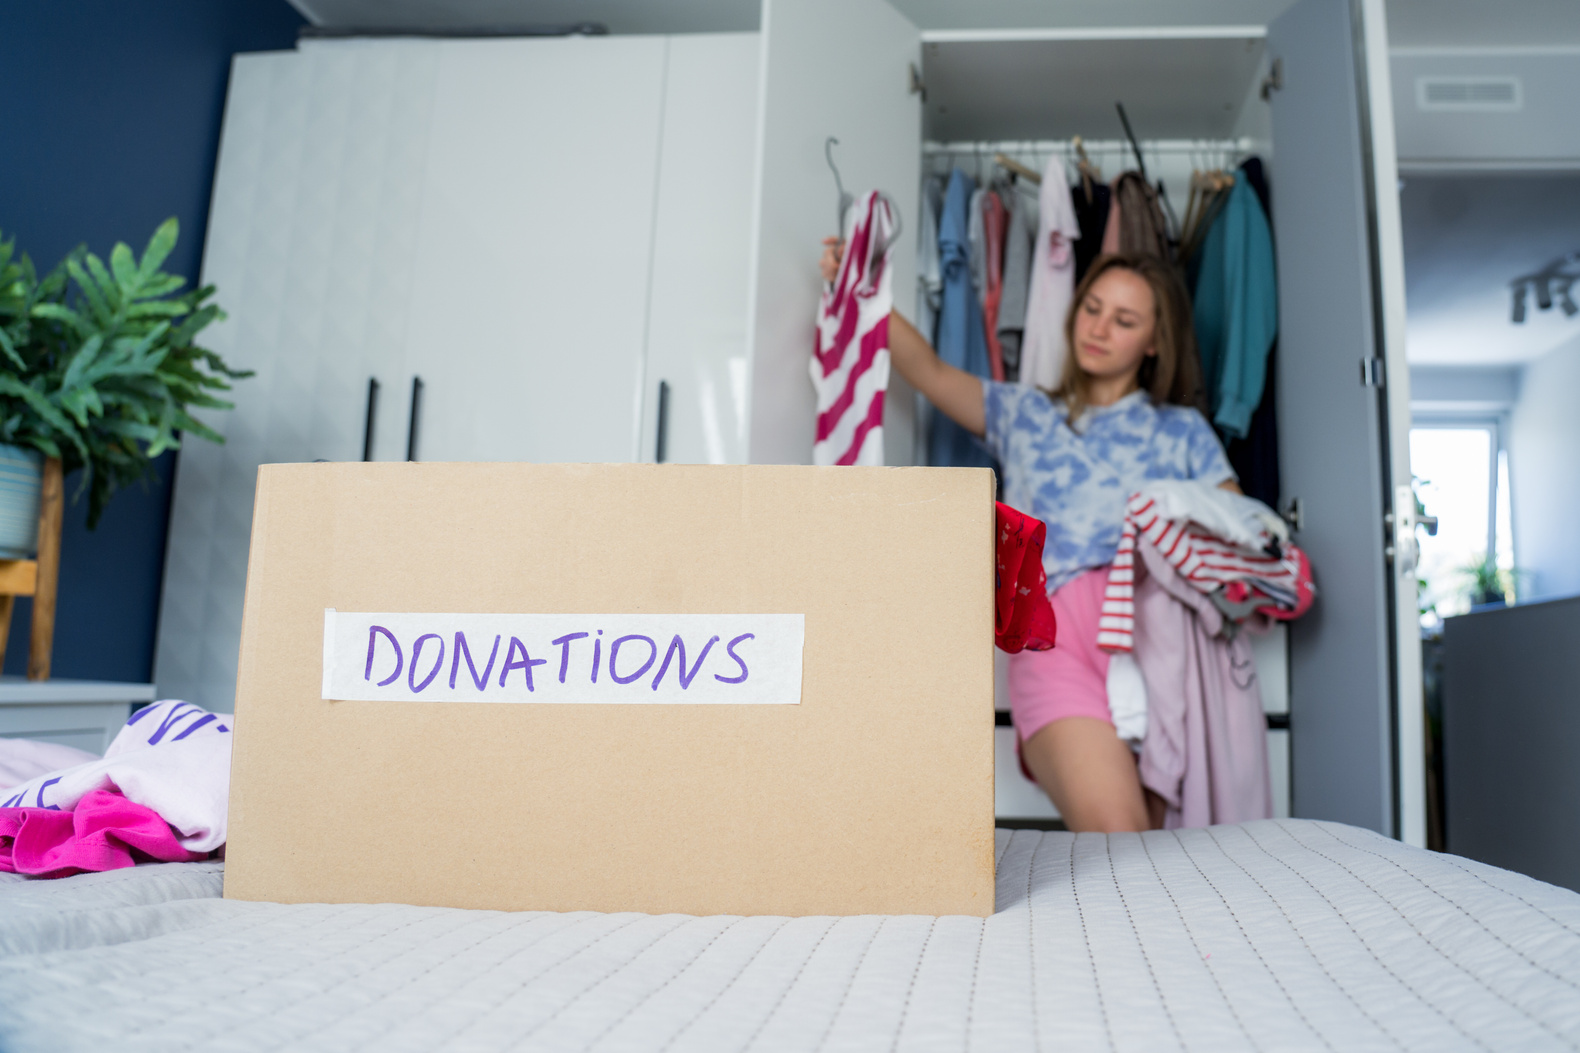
850, 365
1205, 560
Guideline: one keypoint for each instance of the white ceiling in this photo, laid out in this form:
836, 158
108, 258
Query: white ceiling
1412, 23
1483, 23
1465, 238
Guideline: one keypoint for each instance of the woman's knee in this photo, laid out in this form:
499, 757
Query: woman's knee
1089, 774
1109, 817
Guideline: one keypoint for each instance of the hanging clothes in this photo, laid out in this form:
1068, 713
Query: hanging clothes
1255, 457
1052, 282
929, 273
1141, 225
1236, 310
1091, 201
976, 238
1111, 224
850, 369
961, 341
994, 220
1018, 240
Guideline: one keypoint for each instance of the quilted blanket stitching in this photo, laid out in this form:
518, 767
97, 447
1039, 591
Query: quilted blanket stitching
1450, 1021
1288, 997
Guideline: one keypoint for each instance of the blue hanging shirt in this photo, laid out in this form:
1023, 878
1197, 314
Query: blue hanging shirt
1077, 482
962, 340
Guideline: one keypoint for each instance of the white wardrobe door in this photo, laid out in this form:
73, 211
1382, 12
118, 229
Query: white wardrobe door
696, 333
533, 249
1337, 295
840, 68
310, 243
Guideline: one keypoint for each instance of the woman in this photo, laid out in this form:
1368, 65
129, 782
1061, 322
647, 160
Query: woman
1121, 415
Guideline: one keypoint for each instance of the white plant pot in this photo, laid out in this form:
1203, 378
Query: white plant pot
21, 482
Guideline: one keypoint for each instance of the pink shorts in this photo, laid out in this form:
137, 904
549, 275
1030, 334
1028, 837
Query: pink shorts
1071, 680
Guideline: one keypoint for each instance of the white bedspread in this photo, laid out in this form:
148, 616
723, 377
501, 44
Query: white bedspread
1284, 935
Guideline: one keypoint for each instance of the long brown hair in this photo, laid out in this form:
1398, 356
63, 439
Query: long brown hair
1171, 375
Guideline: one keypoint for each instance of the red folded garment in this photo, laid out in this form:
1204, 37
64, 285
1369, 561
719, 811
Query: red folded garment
1022, 616
104, 832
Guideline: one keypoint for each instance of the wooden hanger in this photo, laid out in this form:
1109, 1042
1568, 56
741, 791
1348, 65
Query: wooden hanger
1009, 164
1090, 173
1206, 194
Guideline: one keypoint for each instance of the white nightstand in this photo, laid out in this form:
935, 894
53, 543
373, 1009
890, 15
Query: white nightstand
81, 713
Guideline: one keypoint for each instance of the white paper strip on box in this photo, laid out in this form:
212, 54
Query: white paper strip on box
710, 659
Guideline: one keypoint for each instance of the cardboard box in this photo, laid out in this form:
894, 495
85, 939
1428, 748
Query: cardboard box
865, 788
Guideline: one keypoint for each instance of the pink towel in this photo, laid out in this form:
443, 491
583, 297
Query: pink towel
104, 832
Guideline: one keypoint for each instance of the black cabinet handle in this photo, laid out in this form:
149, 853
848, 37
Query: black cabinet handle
411, 425
661, 440
367, 425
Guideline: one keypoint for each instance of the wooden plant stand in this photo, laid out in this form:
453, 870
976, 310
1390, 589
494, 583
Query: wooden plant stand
38, 578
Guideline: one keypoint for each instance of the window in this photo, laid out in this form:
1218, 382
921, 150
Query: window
1461, 477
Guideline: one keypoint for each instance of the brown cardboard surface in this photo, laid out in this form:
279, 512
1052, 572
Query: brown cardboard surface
873, 795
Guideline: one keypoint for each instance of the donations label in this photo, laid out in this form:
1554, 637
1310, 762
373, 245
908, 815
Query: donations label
626, 659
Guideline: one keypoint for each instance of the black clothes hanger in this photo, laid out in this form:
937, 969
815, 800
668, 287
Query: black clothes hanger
1141, 164
845, 200
1141, 169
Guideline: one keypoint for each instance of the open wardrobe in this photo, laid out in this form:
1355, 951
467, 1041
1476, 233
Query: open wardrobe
605, 248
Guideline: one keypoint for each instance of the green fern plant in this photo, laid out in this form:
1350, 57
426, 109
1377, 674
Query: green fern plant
99, 365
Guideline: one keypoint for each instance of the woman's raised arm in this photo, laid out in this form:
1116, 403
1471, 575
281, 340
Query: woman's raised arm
954, 391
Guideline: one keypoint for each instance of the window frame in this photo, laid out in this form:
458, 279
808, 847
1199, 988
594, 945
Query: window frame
1497, 425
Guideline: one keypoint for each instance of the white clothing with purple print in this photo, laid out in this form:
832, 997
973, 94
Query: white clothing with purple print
172, 757
1077, 481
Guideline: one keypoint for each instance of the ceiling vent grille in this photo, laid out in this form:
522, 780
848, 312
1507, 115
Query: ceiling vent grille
1468, 93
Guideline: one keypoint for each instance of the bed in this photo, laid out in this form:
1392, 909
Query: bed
1281, 934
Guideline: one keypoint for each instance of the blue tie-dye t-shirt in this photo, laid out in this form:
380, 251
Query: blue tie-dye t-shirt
1077, 482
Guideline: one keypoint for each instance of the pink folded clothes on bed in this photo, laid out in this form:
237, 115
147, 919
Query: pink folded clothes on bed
104, 832
172, 758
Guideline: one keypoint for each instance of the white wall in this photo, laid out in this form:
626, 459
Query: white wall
1544, 462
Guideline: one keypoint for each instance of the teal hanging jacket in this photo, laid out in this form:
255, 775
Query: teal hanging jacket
1236, 309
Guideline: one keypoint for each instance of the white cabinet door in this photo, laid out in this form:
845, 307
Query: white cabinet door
840, 68
319, 150
1355, 659
533, 248
696, 333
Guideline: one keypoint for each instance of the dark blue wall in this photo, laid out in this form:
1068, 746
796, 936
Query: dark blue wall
110, 124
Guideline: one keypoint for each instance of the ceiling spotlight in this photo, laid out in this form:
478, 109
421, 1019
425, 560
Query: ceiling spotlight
1554, 281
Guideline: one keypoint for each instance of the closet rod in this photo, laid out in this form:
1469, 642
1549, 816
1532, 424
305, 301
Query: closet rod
1085, 33
1011, 147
